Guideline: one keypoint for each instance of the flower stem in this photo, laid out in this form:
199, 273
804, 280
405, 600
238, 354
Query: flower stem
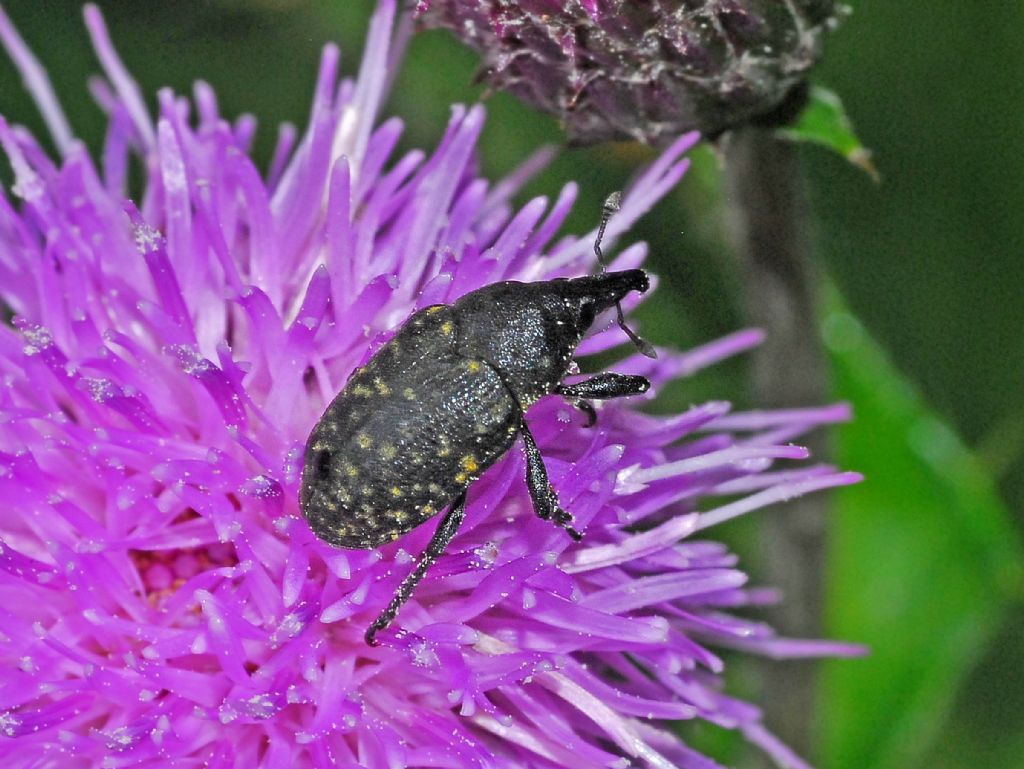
769, 212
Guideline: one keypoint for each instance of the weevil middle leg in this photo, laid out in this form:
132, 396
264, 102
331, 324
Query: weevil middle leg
545, 501
542, 494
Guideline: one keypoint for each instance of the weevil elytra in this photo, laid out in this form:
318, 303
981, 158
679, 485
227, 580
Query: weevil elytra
444, 399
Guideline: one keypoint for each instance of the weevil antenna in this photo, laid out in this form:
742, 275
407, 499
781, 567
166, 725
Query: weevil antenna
612, 204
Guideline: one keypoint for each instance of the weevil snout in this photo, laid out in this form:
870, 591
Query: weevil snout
613, 287
600, 292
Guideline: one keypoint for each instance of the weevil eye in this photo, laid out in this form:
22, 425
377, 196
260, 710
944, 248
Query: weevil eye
587, 315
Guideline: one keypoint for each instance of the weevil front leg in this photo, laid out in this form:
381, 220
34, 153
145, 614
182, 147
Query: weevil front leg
602, 387
545, 501
442, 536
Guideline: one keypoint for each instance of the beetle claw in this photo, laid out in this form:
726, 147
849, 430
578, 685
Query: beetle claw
587, 408
563, 519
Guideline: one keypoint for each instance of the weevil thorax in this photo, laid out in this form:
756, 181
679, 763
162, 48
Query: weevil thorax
529, 331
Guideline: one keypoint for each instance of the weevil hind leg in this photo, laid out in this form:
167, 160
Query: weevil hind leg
442, 536
545, 501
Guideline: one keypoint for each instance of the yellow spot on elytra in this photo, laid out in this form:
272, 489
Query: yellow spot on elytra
341, 531
394, 535
473, 366
399, 515
434, 308
320, 446
362, 391
444, 451
448, 327
469, 463
364, 441
461, 477
351, 470
396, 491
428, 509
408, 394
382, 388
388, 451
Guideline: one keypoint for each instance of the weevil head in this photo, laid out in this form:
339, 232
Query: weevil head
602, 291
593, 294
529, 331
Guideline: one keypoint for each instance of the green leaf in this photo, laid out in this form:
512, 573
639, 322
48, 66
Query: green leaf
824, 121
924, 564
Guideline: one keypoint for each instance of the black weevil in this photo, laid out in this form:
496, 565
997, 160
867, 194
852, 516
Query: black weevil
444, 399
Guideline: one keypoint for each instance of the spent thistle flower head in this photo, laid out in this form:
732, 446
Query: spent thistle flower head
164, 603
646, 70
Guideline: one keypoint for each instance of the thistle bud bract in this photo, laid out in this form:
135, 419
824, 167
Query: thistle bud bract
647, 70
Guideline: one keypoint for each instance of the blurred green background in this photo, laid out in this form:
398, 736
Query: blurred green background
922, 315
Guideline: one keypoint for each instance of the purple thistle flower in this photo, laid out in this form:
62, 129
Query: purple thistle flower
164, 603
